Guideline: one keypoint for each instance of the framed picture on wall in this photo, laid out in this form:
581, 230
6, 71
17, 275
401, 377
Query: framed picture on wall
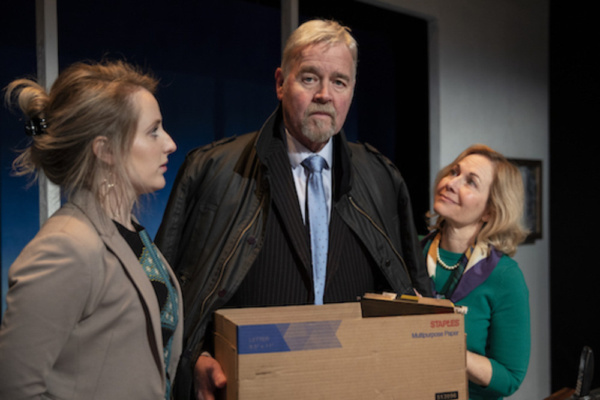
531, 171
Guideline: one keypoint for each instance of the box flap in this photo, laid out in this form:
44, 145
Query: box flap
382, 305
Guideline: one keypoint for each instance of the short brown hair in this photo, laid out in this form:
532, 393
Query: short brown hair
504, 229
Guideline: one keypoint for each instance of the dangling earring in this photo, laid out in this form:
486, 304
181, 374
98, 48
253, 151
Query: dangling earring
110, 204
107, 185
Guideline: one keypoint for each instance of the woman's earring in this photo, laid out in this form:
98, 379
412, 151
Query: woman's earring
107, 185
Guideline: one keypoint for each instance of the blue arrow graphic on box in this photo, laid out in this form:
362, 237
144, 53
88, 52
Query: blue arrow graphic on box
298, 336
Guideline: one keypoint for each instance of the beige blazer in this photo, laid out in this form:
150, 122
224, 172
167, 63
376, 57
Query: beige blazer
82, 319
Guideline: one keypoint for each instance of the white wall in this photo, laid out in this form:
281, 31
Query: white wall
489, 84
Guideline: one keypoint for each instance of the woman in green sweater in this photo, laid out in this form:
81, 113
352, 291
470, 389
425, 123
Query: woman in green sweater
476, 227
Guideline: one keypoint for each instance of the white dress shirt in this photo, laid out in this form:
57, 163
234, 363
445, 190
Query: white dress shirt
298, 153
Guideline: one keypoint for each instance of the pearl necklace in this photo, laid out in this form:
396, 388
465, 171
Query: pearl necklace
443, 264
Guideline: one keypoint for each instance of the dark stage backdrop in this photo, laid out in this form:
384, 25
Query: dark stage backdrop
574, 107
216, 61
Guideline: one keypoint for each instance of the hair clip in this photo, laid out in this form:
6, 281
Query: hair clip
36, 126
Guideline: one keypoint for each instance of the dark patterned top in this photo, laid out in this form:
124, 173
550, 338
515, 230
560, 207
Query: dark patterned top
166, 294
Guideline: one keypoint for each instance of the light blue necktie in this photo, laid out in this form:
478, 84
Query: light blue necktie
319, 226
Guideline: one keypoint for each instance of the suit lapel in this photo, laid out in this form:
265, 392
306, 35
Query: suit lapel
118, 246
285, 200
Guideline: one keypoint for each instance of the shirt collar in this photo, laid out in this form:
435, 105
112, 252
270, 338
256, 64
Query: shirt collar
297, 152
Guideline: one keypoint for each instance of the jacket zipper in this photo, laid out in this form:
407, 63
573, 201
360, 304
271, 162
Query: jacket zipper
230, 255
387, 238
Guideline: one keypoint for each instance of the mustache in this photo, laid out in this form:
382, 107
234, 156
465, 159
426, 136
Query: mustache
321, 108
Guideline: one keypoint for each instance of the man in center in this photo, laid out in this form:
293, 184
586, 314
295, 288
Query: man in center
239, 228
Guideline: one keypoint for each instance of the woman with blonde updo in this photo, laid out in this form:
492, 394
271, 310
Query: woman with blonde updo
93, 309
476, 228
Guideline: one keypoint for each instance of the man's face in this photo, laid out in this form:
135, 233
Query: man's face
316, 94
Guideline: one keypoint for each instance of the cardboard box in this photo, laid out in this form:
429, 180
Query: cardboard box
332, 352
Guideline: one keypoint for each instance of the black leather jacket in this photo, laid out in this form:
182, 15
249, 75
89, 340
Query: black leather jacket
215, 219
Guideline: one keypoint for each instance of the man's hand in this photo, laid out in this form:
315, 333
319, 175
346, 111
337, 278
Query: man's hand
208, 377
